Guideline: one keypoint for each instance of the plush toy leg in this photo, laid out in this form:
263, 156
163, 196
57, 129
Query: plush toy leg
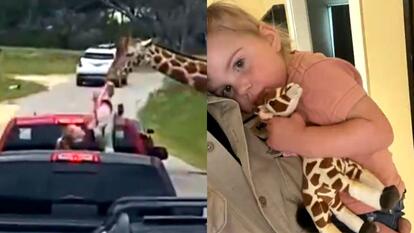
321, 216
390, 195
352, 221
370, 179
365, 193
379, 199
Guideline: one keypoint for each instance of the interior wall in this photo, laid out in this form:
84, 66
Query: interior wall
388, 81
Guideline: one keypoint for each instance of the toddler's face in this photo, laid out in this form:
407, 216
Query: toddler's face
243, 66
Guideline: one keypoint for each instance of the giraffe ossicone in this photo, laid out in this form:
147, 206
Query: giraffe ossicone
325, 178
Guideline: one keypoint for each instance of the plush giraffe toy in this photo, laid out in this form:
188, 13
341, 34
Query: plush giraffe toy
324, 178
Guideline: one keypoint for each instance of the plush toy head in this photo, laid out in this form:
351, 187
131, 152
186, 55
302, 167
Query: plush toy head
284, 102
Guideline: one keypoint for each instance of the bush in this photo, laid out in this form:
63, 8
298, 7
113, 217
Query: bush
177, 113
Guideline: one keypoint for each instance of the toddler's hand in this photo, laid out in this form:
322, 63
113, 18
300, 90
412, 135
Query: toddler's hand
283, 132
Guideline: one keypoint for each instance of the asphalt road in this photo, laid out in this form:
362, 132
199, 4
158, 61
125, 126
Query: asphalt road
65, 97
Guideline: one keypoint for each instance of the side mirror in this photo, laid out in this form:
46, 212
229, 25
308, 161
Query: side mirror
159, 152
150, 131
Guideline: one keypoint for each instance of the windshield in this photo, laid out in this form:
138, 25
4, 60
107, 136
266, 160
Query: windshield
44, 137
99, 56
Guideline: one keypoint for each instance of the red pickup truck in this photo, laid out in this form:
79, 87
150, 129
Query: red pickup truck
41, 133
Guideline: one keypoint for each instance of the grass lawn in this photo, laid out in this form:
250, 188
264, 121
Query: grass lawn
178, 115
26, 88
18, 60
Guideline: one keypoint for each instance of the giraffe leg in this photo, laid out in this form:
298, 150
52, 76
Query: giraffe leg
321, 216
390, 195
370, 179
352, 221
384, 199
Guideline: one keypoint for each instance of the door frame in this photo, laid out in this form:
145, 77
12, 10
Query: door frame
408, 26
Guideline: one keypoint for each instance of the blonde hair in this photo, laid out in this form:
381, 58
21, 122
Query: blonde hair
226, 16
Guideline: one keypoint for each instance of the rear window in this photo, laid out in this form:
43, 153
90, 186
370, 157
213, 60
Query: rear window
42, 137
79, 185
100, 56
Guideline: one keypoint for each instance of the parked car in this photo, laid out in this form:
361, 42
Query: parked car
94, 65
41, 133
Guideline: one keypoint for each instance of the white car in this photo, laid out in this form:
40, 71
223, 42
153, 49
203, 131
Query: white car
94, 64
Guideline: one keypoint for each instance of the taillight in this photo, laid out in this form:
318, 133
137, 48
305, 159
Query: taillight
75, 157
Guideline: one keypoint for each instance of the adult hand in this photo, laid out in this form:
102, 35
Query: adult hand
404, 227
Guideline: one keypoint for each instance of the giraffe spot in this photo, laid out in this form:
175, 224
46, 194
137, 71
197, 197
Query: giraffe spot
285, 97
278, 106
305, 183
337, 201
179, 75
322, 189
175, 63
151, 52
180, 59
332, 173
157, 59
326, 163
326, 198
352, 164
307, 199
202, 68
358, 175
350, 173
191, 68
325, 207
339, 164
340, 207
319, 208
166, 54
315, 179
157, 50
309, 167
164, 68
316, 209
321, 223
337, 185
200, 83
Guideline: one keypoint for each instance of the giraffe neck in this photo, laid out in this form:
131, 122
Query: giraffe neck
185, 69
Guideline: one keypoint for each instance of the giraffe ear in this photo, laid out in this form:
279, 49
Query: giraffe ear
145, 43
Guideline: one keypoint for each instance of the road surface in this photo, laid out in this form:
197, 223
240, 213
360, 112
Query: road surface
65, 97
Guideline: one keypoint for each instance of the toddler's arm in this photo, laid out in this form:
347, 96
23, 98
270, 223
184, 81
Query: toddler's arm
351, 122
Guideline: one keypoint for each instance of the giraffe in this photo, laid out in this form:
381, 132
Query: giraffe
186, 69
324, 178
119, 78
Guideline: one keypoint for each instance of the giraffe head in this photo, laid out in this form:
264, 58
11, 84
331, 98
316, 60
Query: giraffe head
132, 53
124, 58
281, 102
